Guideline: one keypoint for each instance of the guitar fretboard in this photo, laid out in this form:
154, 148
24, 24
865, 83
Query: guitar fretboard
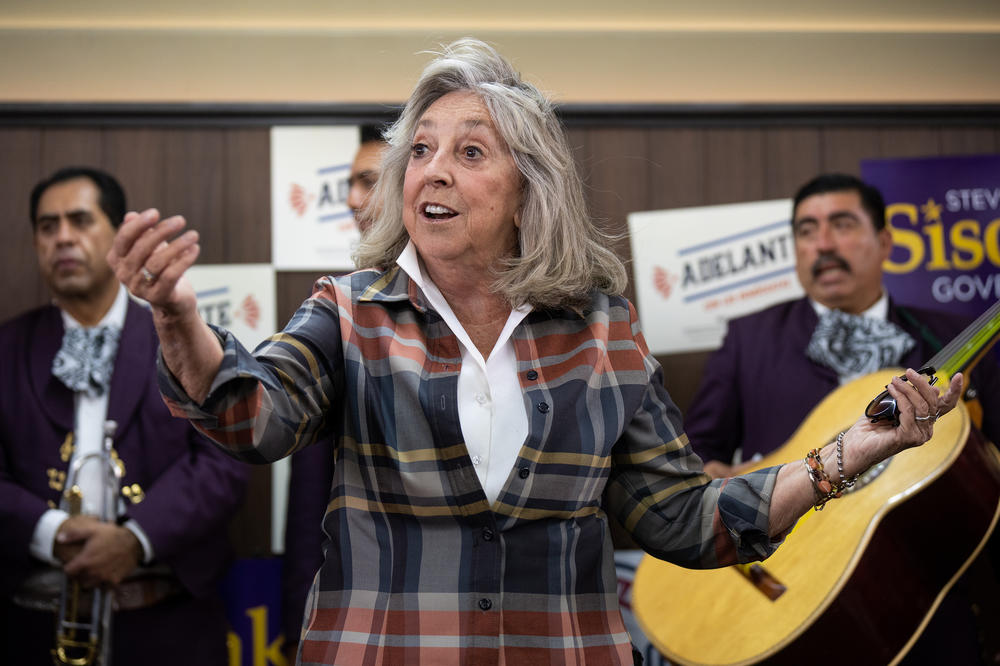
965, 350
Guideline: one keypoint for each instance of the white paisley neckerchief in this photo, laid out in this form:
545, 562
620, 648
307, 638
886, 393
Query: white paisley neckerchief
86, 358
851, 344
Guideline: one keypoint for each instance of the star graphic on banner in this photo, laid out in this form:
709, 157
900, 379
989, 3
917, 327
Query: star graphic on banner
931, 211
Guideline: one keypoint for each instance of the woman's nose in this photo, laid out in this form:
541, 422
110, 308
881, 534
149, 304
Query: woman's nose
439, 169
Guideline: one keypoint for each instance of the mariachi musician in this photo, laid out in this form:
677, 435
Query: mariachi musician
65, 369
846, 326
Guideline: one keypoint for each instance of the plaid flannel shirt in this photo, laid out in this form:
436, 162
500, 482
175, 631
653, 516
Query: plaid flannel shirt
419, 568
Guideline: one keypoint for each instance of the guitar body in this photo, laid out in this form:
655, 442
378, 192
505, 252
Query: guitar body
862, 577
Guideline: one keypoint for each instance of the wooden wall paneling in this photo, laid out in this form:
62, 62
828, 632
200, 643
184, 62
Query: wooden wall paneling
192, 177
614, 165
576, 137
792, 156
583, 157
968, 140
676, 168
20, 169
247, 193
291, 288
909, 142
734, 165
62, 147
843, 148
136, 157
250, 528
682, 375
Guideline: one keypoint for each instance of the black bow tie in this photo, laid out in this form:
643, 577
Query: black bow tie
87, 357
852, 344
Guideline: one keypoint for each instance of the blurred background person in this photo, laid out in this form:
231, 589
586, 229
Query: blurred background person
846, 325
365, 169
65, 369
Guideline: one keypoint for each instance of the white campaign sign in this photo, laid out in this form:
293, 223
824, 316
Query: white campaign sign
311, 226
237, 297
696, 268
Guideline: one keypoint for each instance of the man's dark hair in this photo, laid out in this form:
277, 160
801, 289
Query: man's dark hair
111, 197
373, 133
871, 198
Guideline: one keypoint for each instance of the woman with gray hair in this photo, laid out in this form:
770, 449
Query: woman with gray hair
486, 385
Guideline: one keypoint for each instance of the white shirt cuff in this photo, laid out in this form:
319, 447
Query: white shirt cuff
147, 547
44, 537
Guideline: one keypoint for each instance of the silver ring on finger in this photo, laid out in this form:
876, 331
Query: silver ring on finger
930, 417
148, 276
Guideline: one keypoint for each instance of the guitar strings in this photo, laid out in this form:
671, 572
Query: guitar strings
981, 324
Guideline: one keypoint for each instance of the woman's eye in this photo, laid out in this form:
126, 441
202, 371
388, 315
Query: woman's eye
418, 149
472, 151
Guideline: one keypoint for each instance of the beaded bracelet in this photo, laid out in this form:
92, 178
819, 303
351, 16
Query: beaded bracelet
824, 488
845, 483
822, 485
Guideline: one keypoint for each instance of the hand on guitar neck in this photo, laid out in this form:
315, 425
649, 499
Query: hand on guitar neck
865, 444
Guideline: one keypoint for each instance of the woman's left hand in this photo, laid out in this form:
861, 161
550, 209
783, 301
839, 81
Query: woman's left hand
919, 405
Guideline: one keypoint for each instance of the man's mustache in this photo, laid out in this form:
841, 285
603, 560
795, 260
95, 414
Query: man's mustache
829, 260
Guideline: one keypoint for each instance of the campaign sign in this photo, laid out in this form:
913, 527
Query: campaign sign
237, 297
944, 213
697, 268
311, 226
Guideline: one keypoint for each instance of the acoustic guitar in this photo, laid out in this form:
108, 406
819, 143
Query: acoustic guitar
855, 583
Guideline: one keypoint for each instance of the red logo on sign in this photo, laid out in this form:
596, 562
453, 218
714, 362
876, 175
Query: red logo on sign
249, 311
300, 199
663, 281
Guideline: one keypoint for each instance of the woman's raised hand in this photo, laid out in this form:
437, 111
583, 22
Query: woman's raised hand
150, 261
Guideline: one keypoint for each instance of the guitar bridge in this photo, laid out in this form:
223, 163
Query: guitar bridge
762, 579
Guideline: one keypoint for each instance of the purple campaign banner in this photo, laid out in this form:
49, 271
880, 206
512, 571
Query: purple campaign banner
251, 592
944, 213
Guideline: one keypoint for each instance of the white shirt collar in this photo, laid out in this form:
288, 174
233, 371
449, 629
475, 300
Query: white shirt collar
409, 262
878, 311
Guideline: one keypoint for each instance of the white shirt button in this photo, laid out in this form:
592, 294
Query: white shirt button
481, 398
476, 460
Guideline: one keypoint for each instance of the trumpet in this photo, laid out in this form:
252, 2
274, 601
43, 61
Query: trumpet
86, 642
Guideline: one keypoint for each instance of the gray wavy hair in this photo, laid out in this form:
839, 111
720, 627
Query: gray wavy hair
563, 255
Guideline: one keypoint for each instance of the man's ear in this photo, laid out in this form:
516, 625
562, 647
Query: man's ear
885, 242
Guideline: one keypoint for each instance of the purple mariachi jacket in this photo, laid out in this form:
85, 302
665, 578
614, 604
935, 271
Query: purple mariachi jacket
191, 489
